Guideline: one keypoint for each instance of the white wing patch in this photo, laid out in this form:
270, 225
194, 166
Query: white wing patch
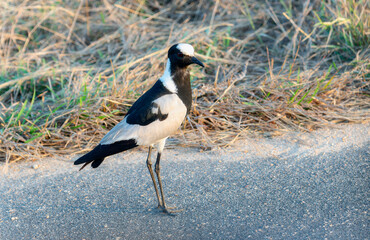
155, 109
167, 80
186, 49
154, 132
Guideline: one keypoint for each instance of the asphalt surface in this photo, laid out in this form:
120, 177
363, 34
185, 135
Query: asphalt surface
225, 195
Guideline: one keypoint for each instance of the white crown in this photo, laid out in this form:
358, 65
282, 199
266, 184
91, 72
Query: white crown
186, 49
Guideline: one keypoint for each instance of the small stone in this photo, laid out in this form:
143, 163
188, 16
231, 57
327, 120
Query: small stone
35, 166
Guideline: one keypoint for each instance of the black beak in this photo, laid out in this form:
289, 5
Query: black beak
196, 61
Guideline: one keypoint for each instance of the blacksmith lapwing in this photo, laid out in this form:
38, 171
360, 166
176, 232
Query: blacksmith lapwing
157, 114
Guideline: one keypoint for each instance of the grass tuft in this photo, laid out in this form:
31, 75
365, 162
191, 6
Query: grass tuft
70, 70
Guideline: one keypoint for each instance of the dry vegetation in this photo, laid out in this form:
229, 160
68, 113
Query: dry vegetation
71, 69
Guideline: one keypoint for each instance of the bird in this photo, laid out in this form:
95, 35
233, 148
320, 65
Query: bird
156, 115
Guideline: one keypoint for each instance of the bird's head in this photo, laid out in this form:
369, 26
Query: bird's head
181, 55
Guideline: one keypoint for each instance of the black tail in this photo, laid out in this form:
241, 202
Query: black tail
97, 155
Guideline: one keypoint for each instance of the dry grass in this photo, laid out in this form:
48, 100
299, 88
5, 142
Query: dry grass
71, 69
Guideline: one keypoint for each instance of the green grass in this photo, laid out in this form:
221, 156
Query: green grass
67, 76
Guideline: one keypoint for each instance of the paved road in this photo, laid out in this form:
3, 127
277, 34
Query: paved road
225, 195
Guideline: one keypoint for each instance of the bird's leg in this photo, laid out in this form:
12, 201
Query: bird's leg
157, 171
149, 165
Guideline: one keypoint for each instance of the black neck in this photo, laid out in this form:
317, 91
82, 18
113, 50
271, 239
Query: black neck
181, 77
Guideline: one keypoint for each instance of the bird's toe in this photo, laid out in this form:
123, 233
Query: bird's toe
170, 210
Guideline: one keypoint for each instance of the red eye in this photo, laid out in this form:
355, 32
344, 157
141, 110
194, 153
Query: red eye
180, 55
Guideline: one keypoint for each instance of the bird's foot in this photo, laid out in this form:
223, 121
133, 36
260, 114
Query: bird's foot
169, 210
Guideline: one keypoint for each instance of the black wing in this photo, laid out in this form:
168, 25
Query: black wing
144, 111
